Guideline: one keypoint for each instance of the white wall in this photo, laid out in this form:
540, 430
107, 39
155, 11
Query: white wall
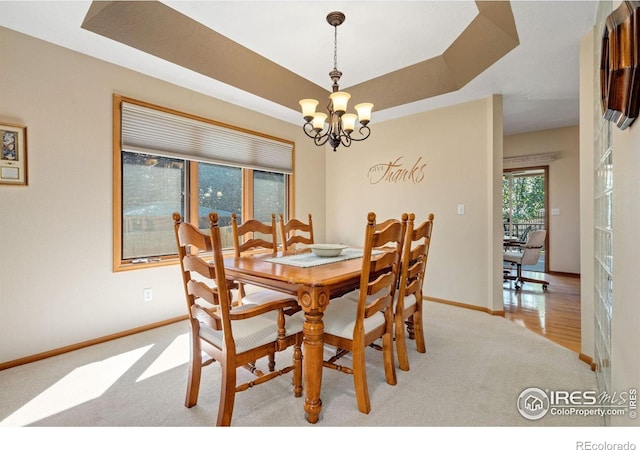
57, 287
564, 190
457, 144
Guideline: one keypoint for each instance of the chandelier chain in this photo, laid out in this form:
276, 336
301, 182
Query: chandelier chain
335, 47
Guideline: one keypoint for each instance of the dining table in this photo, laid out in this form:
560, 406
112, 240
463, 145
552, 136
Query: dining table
508, 241
314, 281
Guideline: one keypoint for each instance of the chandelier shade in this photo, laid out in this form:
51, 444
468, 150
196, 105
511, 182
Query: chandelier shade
339, 101
308, 108
337, 126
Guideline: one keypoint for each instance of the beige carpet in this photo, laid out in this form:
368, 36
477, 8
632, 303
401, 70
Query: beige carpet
475, 368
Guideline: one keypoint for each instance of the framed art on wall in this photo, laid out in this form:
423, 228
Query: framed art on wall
13, 155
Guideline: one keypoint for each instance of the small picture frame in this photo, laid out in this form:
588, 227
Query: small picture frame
13, 154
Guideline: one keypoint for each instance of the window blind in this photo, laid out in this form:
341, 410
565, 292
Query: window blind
148, 130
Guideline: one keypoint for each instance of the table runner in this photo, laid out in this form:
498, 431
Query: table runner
308, 259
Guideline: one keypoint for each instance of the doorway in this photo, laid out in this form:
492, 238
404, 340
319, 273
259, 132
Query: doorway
525, 195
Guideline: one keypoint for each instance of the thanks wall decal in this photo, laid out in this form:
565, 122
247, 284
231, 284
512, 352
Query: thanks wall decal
397, 172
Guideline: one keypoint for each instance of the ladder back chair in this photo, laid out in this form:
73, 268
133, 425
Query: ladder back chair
409, 300
289, 233
253, 235
351, 326
234, 337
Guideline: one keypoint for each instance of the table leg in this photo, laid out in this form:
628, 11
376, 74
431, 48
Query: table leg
313, 301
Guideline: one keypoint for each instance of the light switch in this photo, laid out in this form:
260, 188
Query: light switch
460, 210
555, 212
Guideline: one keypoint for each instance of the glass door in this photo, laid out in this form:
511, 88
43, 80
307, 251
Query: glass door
524, 207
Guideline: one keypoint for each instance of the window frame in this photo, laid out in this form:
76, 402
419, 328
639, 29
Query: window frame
191, 178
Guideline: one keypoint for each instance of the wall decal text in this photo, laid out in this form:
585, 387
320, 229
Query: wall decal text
397, 172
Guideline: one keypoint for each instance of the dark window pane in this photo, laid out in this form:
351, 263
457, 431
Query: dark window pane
152, 189
219, 190
268, 195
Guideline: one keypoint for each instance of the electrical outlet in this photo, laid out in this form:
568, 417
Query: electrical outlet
147, 294
460, 210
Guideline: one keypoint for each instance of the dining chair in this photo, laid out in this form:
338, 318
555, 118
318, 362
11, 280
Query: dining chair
408, 308
355, 294
528, 254
255, 236
235, 337
351, 326
289, 232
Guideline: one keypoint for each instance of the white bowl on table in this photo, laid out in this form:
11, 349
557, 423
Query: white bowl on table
327, 250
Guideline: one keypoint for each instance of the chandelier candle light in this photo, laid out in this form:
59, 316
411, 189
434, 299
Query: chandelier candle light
341, 124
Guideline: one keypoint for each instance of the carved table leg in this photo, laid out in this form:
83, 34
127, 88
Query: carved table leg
313, 301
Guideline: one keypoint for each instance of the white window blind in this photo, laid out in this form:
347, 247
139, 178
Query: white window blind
147, 130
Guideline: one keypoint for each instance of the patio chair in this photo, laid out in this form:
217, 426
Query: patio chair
528, 255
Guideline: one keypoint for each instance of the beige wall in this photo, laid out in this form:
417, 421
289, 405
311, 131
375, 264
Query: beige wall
56, 282
457, 147
564, 189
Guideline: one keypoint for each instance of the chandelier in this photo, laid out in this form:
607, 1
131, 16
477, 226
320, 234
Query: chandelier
341, 124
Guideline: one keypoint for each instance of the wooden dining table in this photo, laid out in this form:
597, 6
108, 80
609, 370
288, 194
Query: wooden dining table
314, 287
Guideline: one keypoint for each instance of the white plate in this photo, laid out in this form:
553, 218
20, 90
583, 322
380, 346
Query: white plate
326, 250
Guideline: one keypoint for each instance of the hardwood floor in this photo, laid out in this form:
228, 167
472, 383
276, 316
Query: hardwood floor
554, 313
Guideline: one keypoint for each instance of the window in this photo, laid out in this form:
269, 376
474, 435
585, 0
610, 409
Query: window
152, 189
166, 162
219, 190
269, 195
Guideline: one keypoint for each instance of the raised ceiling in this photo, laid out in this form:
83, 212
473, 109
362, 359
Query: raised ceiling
405, 57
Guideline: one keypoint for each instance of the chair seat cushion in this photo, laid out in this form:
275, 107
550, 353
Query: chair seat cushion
255, 331
262, 296
409, 301
340, 318
352, 295
355, 295
514, 257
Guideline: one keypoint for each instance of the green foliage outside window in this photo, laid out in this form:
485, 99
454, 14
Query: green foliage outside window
526, 195
523, 203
